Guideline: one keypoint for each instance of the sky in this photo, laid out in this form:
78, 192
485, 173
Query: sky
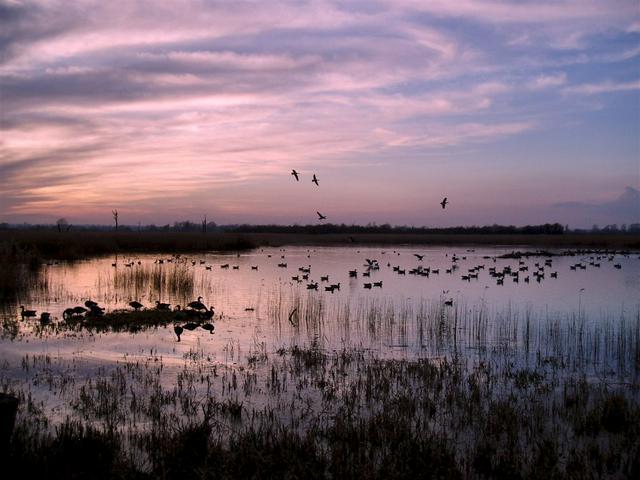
518, 112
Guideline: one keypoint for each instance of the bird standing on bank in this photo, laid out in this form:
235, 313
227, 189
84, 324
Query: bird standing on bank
136, 305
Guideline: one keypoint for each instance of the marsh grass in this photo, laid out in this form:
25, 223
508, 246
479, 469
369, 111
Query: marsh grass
481, 393
21, 269
341, 415
173, 280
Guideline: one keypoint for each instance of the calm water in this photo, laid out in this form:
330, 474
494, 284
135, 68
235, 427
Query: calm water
585, 315
253, 305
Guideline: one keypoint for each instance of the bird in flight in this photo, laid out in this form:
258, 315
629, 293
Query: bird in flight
321, 216
419, 257
315, 179
295, 174
444, 202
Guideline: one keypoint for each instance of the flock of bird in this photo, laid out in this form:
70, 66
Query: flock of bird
198, 315
321, 217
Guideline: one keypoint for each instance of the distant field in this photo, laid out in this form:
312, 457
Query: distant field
72, 245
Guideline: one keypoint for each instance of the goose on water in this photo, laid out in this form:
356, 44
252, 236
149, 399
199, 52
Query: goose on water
197, 304
162, 306
27, 313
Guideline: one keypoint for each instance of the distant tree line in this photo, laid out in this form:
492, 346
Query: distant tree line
63, 226
326, 228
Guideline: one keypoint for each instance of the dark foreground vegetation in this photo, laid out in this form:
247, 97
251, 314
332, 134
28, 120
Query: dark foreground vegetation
498, 396
343, 415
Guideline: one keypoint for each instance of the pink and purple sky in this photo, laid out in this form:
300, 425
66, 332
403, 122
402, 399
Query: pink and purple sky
519, 112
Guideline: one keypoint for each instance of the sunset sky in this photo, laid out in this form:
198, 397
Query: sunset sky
518, 112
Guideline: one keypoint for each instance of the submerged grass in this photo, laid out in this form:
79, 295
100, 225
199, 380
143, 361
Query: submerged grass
344, 415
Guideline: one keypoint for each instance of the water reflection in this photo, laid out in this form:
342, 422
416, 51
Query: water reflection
423, 297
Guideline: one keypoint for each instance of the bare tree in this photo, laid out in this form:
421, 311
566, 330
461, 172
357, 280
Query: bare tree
62, 225
115, 218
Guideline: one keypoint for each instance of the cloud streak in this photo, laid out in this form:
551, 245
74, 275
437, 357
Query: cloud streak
140, 101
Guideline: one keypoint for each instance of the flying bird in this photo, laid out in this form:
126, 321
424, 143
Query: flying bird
419, 257
315, 180
295, 174
444, 202
321, 216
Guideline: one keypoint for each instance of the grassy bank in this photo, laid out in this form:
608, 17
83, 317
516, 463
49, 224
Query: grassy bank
47, 244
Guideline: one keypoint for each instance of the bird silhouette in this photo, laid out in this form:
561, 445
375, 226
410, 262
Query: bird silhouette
208, 314
444, 202
27, 313
136, 305
321, 217
197, 304
178, 330
295, 174
162, 306
315, 180
90, 304
419, 257
208, 326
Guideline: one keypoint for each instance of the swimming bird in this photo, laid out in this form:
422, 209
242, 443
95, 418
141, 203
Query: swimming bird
162, 306
178, 330
208, 314
27, 313
444, 202
449, 303
136, 305
315, 180
295, 174
68, 312
96, 311
197, 304
321, 217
